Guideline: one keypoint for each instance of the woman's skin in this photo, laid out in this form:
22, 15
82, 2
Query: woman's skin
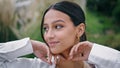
83, 49
61, 35
41, 50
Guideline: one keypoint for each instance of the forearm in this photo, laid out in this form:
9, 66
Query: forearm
14, 49
104, 57
36, 44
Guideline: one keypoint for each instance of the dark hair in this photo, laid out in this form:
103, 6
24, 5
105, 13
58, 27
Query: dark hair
73, 10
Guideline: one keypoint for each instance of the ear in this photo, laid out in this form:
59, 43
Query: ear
80, 29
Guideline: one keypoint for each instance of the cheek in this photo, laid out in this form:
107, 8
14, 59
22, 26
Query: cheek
45, 38
67, 40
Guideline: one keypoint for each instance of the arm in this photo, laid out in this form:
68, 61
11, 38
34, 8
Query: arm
9, 52
104, 57
14, 49
100, 56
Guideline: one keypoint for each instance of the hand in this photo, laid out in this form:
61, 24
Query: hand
42, 51
80, 51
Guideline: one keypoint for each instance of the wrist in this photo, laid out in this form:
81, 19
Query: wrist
33, 45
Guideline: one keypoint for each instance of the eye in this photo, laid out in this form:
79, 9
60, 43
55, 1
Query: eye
58, 26
45, 29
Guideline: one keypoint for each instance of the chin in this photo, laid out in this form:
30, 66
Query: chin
55, 52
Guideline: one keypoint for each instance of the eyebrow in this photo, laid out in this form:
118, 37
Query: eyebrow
56, 21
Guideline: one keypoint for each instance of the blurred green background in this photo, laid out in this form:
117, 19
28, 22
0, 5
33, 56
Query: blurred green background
22, 18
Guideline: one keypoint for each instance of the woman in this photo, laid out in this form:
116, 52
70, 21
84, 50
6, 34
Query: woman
64, 26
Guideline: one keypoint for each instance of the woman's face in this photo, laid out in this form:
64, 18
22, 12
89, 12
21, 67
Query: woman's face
60, 33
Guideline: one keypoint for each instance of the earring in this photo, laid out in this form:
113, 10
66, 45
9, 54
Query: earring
78, 38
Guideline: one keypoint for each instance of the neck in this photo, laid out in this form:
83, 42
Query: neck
65, 54
68, 63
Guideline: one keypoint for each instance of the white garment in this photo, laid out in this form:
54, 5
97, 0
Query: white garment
101, 56
104, 57
11, 50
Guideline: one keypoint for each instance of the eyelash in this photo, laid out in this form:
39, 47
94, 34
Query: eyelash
56, 27
45, 28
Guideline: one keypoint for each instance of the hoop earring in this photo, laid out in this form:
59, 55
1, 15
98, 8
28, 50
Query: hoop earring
78, 38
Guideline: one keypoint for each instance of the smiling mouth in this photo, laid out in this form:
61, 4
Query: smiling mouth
53, 44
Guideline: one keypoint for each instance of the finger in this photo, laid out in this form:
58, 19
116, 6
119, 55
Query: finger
55, 58
43, 57
61, 57
86, 53
78, 57
45, 60
79, 47
77, 50
71, 53
49, 57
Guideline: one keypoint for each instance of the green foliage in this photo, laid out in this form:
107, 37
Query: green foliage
110, 8
101, 30
105, 6
116, 13
104, 22
92, 22
6, 34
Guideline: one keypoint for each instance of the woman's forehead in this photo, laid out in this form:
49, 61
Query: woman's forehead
53, 12
53, 15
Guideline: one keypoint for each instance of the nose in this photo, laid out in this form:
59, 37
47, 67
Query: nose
50, 34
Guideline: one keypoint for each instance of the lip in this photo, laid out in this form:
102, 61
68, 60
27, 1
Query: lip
53, 43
